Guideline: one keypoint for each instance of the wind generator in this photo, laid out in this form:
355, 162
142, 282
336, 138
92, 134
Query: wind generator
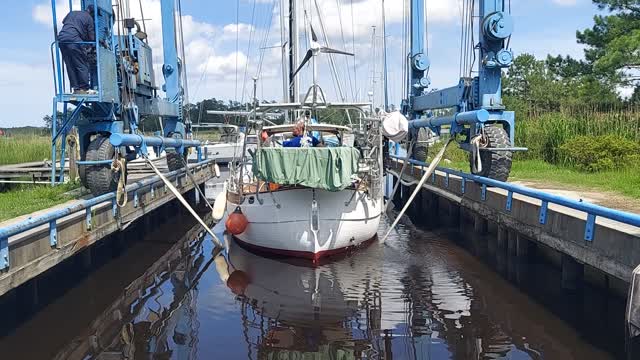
473, 109
315, 48
125, 88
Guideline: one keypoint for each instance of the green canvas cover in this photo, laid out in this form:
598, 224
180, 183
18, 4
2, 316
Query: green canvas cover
321, 168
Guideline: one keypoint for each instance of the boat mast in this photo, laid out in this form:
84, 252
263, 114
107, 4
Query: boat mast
384, 60
373, 75
294, 92
283, 50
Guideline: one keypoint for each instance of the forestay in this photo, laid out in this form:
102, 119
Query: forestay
321, 168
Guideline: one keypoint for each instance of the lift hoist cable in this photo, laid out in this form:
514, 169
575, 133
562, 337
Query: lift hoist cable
432, 167
183, 201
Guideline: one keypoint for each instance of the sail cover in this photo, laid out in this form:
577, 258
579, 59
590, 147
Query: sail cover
321, 168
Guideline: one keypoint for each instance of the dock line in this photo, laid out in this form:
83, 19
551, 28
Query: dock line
195, 184
430, 170
184, 202
404, 166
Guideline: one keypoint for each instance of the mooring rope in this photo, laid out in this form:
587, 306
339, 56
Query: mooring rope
121, 193
404, 166
432, 167
184, 202
204, 197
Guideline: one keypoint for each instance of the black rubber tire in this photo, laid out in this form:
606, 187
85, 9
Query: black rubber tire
99, 178
420, 152
174, 162
495, 164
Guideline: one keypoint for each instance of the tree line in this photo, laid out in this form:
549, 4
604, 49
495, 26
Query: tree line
611, 62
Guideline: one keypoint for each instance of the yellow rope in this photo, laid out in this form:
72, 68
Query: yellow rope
121, 193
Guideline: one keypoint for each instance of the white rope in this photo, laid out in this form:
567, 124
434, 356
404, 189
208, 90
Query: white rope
430, 170
184, 202
404, 166
188, 171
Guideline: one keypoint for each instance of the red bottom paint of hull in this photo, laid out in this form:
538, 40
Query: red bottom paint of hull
316, 258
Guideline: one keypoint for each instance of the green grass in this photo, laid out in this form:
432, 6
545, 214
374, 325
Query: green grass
29, 198
24, 148
624, 181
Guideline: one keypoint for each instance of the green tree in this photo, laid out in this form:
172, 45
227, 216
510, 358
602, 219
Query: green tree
547, 85
530, 83
613, 43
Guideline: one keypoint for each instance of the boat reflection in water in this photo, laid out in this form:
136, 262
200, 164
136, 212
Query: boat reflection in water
417, 296
306, 311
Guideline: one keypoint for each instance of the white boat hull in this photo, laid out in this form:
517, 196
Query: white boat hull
343, 221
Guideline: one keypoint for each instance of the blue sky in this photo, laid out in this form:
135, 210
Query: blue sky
26, 88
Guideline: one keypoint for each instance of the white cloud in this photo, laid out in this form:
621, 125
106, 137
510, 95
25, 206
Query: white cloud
42, 12
212, 56
238, 28
367, 13
17, 80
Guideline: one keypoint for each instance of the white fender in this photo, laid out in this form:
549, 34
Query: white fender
220, 204
216, 170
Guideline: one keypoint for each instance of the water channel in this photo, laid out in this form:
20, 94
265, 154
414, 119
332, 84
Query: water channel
421, 295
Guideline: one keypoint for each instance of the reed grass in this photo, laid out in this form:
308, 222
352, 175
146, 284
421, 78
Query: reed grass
545, 132
24, 148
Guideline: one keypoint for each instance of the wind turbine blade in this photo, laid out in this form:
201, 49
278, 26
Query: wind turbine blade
306, 59
313, 34
327, 50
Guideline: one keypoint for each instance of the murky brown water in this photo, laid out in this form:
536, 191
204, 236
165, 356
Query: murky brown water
418, 296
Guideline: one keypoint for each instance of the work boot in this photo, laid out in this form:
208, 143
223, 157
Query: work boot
85, 92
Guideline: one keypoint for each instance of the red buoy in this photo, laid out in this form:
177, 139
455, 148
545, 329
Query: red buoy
236, 222
238, 282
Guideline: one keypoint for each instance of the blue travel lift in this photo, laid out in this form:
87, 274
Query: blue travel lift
473, 109
123, 79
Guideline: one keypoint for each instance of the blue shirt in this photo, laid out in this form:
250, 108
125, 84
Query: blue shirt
77, 26
295, 142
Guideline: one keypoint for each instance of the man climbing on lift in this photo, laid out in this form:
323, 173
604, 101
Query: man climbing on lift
78, 26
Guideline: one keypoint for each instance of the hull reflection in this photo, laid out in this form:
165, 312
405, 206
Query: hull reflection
304, 311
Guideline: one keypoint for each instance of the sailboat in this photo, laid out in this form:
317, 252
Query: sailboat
307, 201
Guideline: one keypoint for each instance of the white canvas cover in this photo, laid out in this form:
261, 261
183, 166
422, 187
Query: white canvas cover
395, 126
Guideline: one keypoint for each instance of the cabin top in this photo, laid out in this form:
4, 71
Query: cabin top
286, 128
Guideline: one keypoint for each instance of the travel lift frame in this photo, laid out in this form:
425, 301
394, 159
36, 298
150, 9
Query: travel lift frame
475, 114
123, 77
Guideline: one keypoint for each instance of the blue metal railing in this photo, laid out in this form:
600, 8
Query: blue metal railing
52, 217
591, 210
